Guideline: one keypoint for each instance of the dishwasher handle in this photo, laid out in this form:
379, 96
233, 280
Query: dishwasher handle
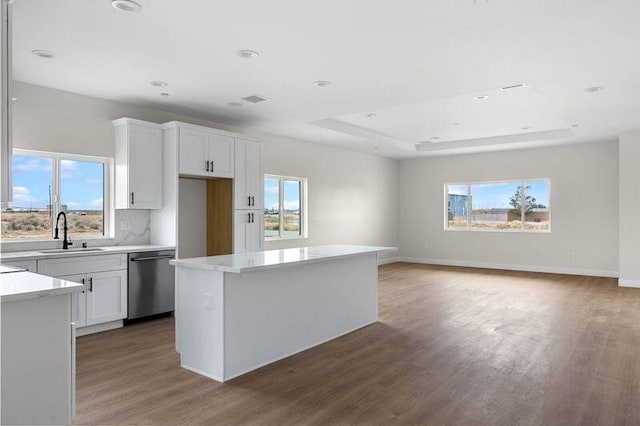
140, 259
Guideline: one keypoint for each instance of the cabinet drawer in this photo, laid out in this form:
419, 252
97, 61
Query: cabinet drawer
82, 264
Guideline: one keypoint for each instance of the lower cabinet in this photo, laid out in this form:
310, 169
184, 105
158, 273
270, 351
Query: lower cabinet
247, 236
105, 296
104, 300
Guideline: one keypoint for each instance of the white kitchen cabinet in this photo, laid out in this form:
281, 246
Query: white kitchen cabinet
106, 296
138, 161
78, 300
248, 181
248, 230
103, 303
204, 152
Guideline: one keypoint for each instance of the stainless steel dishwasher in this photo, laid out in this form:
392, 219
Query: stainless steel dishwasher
151, 284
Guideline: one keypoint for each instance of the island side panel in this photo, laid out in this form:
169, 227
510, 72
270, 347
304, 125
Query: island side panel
37, 361
198, 317
274, 313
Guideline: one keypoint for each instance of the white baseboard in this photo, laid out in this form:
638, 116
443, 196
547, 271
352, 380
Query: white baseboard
512, 267
83, 331
623, 282
387, 260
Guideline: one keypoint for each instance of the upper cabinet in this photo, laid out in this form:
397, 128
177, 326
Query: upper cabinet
138, 161
248, 185
204, 152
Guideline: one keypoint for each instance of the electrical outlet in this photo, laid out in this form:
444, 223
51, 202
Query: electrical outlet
125, 225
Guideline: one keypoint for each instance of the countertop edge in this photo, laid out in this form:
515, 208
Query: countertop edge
240, 270
18, 256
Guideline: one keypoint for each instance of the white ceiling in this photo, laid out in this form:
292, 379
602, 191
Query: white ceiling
416, 64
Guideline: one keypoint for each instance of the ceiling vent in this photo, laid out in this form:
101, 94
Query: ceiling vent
255, 99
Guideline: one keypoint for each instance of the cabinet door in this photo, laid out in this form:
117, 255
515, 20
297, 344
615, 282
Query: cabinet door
254, 235
194, 147
78, 300
248, 180
106, 296
248, 235
145, 167
220, 150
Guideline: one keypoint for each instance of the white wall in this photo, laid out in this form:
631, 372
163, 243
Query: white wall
629, 209
352, 196
584, 210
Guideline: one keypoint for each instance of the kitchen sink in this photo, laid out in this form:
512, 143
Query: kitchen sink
71, 250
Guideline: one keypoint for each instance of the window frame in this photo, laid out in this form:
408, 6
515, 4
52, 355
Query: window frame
303, 206
469, 205
56, 186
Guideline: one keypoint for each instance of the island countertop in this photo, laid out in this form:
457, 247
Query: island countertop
269, 259
16, 286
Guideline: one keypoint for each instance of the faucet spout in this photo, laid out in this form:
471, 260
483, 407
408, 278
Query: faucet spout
65, 240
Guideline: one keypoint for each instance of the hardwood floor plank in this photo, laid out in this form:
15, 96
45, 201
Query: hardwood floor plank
453, 346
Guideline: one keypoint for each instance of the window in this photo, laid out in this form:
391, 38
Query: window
506, 206
284, 207
45, 184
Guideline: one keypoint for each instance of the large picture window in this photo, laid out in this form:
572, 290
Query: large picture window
284, 207
45, 184
519, 205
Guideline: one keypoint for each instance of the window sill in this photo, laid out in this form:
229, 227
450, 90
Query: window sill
502, 231
270, 239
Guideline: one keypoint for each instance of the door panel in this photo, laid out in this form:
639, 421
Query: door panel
106, 296
220, 151
145, 167
78, 300
193, 152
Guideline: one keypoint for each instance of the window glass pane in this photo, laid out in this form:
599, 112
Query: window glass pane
292, 221
536, 204
28, 216
271, 207
496, 206
457, 206
82, 195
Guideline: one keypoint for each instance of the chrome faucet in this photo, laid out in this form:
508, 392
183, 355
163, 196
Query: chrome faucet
65, 241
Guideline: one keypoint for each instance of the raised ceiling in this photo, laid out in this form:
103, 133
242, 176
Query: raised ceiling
404, 74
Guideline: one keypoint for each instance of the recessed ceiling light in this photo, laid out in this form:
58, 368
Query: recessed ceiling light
526, 128
247, 54
126, 5
165, 94
513, 86
376, 147
594, 89
234, 104
14, 99
371, 115
159, 83
455, 123
322, 83
480, 97
43, 53
435, 138
575, 125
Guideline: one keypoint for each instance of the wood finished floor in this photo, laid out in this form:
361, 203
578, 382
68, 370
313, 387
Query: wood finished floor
453, 346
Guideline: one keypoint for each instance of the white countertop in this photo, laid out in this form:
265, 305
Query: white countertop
34, 254
259, 260
16, 286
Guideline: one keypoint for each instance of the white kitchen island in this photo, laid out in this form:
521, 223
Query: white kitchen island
236, 313
38, 348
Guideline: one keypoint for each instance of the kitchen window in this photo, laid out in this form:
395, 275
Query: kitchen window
284, 207
512, 206
46, 183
